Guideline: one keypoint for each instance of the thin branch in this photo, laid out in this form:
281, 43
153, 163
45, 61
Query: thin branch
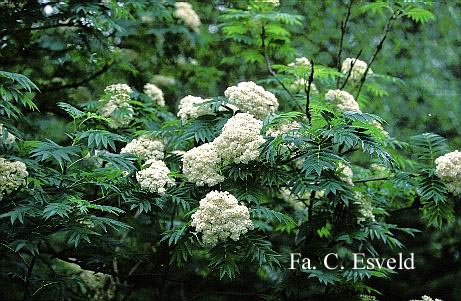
268, 63
341, 40
311, 206
387, 28
26, 279
308, 91
371, 180
350, 70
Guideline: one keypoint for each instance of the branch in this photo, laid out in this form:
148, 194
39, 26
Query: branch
268, 63
79, 83
341, 40
372, 179
26, 279
350, 70
387, 28
308, 91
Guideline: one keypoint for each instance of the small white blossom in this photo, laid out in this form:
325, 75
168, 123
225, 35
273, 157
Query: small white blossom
163, 80
119, 92
155, 93
448, 169
427, 298
283, 128
9, 138
345, 173
274, 3
117, 108
220, 217
155, 178
358, 70
13, 175
300, 61
191, 107
365, 208
145, 148
343, 100
240, 139
253, 99
185, 12
200, 165
300, 83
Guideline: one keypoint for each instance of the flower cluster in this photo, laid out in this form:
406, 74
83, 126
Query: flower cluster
427, 298
283, 128
117, 108
5, 136
358, 70
240, 139
300, 83
300, 61
298, 202
13, 174
155, 93
145, 148
343, 100
345, 173
448, 168
253, 99
186, 13
274, 3
365, 208
200, 165
191, 107
155, 178
163, 80
220, 217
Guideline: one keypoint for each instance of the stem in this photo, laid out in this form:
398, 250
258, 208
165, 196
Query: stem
341, 40
350, 70
387, 28
372, 179
268, 63
308, 91
311, 206
26, 279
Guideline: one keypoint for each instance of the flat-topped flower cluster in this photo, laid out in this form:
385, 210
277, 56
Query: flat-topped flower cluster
448, 168
13, 175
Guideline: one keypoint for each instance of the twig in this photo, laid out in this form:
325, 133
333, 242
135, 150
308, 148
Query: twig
311, 206
371, 180
350, 70
308, 91
341, 40
26, 279
268, 63
387, 28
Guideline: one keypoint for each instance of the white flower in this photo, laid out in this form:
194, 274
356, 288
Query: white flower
274, 3
300, 61
298, 202
426, 298
343, 100
283, 128
365, 208
145, 148
155, 93
240, 139
191, 107
220, 217
448, 168
345, 173
200, 165
300, 83
358, 70
9, 138
13, 175
163, 80
117, 107
186, 13
155, 178
253, 99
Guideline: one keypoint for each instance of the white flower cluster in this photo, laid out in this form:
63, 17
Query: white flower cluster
283, 128
253, 99
9, 139
163, 80
117, 108
191, 107
343, 100
220, 217
345, 173
155, 178
358, 70
448, 168
365, 208
13, 174
300, 83
186, 13
427, 298
274, 3
200, 165
300, 61
298, 202
155, 93
145, 147
240, 139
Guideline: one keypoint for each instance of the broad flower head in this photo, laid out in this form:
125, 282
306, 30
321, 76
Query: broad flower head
13, 175
240, 139
191, 107
117, 108
448, 169
155, 93
185, 12
200, 165
220, 217
6, 136
155, 177
345, 173
427, 298
145, 147
300, 61
343, 100
358, 70
253, 99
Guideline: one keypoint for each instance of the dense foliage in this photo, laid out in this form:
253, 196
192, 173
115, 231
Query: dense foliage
162, 150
